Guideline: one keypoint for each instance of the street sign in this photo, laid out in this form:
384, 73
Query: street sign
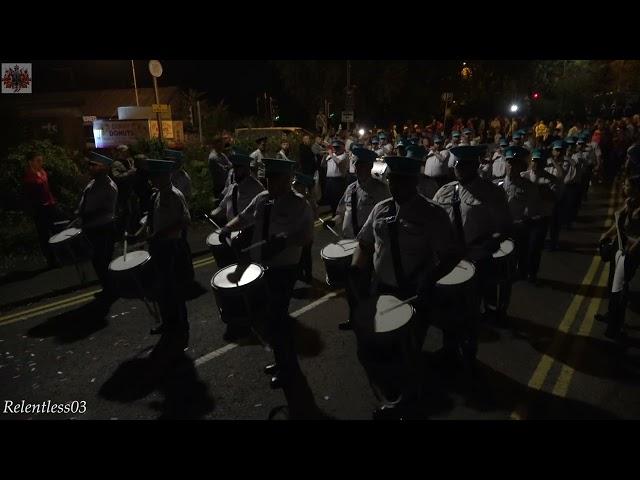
347, 116
447, 96
349, 101
160, 108
155, 68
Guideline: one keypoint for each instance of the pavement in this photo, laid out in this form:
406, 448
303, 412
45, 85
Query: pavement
551, 362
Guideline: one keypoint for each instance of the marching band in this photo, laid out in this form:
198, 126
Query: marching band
425, 235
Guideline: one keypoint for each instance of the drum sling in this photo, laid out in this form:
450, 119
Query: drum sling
354, 212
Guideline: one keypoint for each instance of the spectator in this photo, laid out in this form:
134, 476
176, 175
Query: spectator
306, 157
41, 203
284, 150
257, 166
321, 122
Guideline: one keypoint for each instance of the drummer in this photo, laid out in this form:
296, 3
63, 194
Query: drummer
304, 185
282, 218
523, 198
239, 194
410, 243
364, 193
481, 218
180, 178
97, 213
547, 186
170, 252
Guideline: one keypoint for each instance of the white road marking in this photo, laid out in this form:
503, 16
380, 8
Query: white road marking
227, 348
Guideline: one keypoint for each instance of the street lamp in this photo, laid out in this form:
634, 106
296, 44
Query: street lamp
514, 108
361, 131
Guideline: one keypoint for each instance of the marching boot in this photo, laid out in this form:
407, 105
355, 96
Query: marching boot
617, 306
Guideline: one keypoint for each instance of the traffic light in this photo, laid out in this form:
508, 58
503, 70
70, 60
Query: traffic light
535, 95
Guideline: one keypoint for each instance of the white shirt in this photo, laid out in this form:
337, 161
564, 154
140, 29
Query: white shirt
334, 164
98, 202
437, 164
182, 181
452, 157
170, 208
281, 155
257, 163
290, 215
367, 196
499, 167
245, 191
483, 207
425, 235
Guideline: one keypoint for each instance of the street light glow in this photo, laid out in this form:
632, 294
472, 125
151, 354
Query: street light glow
514, 108
361, 131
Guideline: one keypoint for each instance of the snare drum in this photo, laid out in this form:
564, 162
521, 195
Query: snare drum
241, 296
134, 277
384, 335
222, 253
504, 261
337, 259
457, 284
71, 246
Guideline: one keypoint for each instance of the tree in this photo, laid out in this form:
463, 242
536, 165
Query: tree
190, 98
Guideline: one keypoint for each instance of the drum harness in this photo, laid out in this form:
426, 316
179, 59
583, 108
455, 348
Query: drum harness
354, 212
234, 199
392, 225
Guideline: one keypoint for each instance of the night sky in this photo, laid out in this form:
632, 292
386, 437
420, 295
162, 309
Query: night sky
237, 82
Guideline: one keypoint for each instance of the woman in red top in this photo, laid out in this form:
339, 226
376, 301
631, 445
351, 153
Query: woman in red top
40, 202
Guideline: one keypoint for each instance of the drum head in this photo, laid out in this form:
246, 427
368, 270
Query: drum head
64, 235
506, 248
134, 259
342, 249
379, 169
228, 278
213, 240
373, 317
461, 273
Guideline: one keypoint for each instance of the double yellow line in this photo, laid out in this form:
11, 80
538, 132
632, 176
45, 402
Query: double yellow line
70, 302
563, 382
82, 298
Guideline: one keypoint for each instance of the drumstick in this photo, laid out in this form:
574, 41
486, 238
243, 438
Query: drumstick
408, 300
257, 244
139, 231
125, 246
211, 220
332, 230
